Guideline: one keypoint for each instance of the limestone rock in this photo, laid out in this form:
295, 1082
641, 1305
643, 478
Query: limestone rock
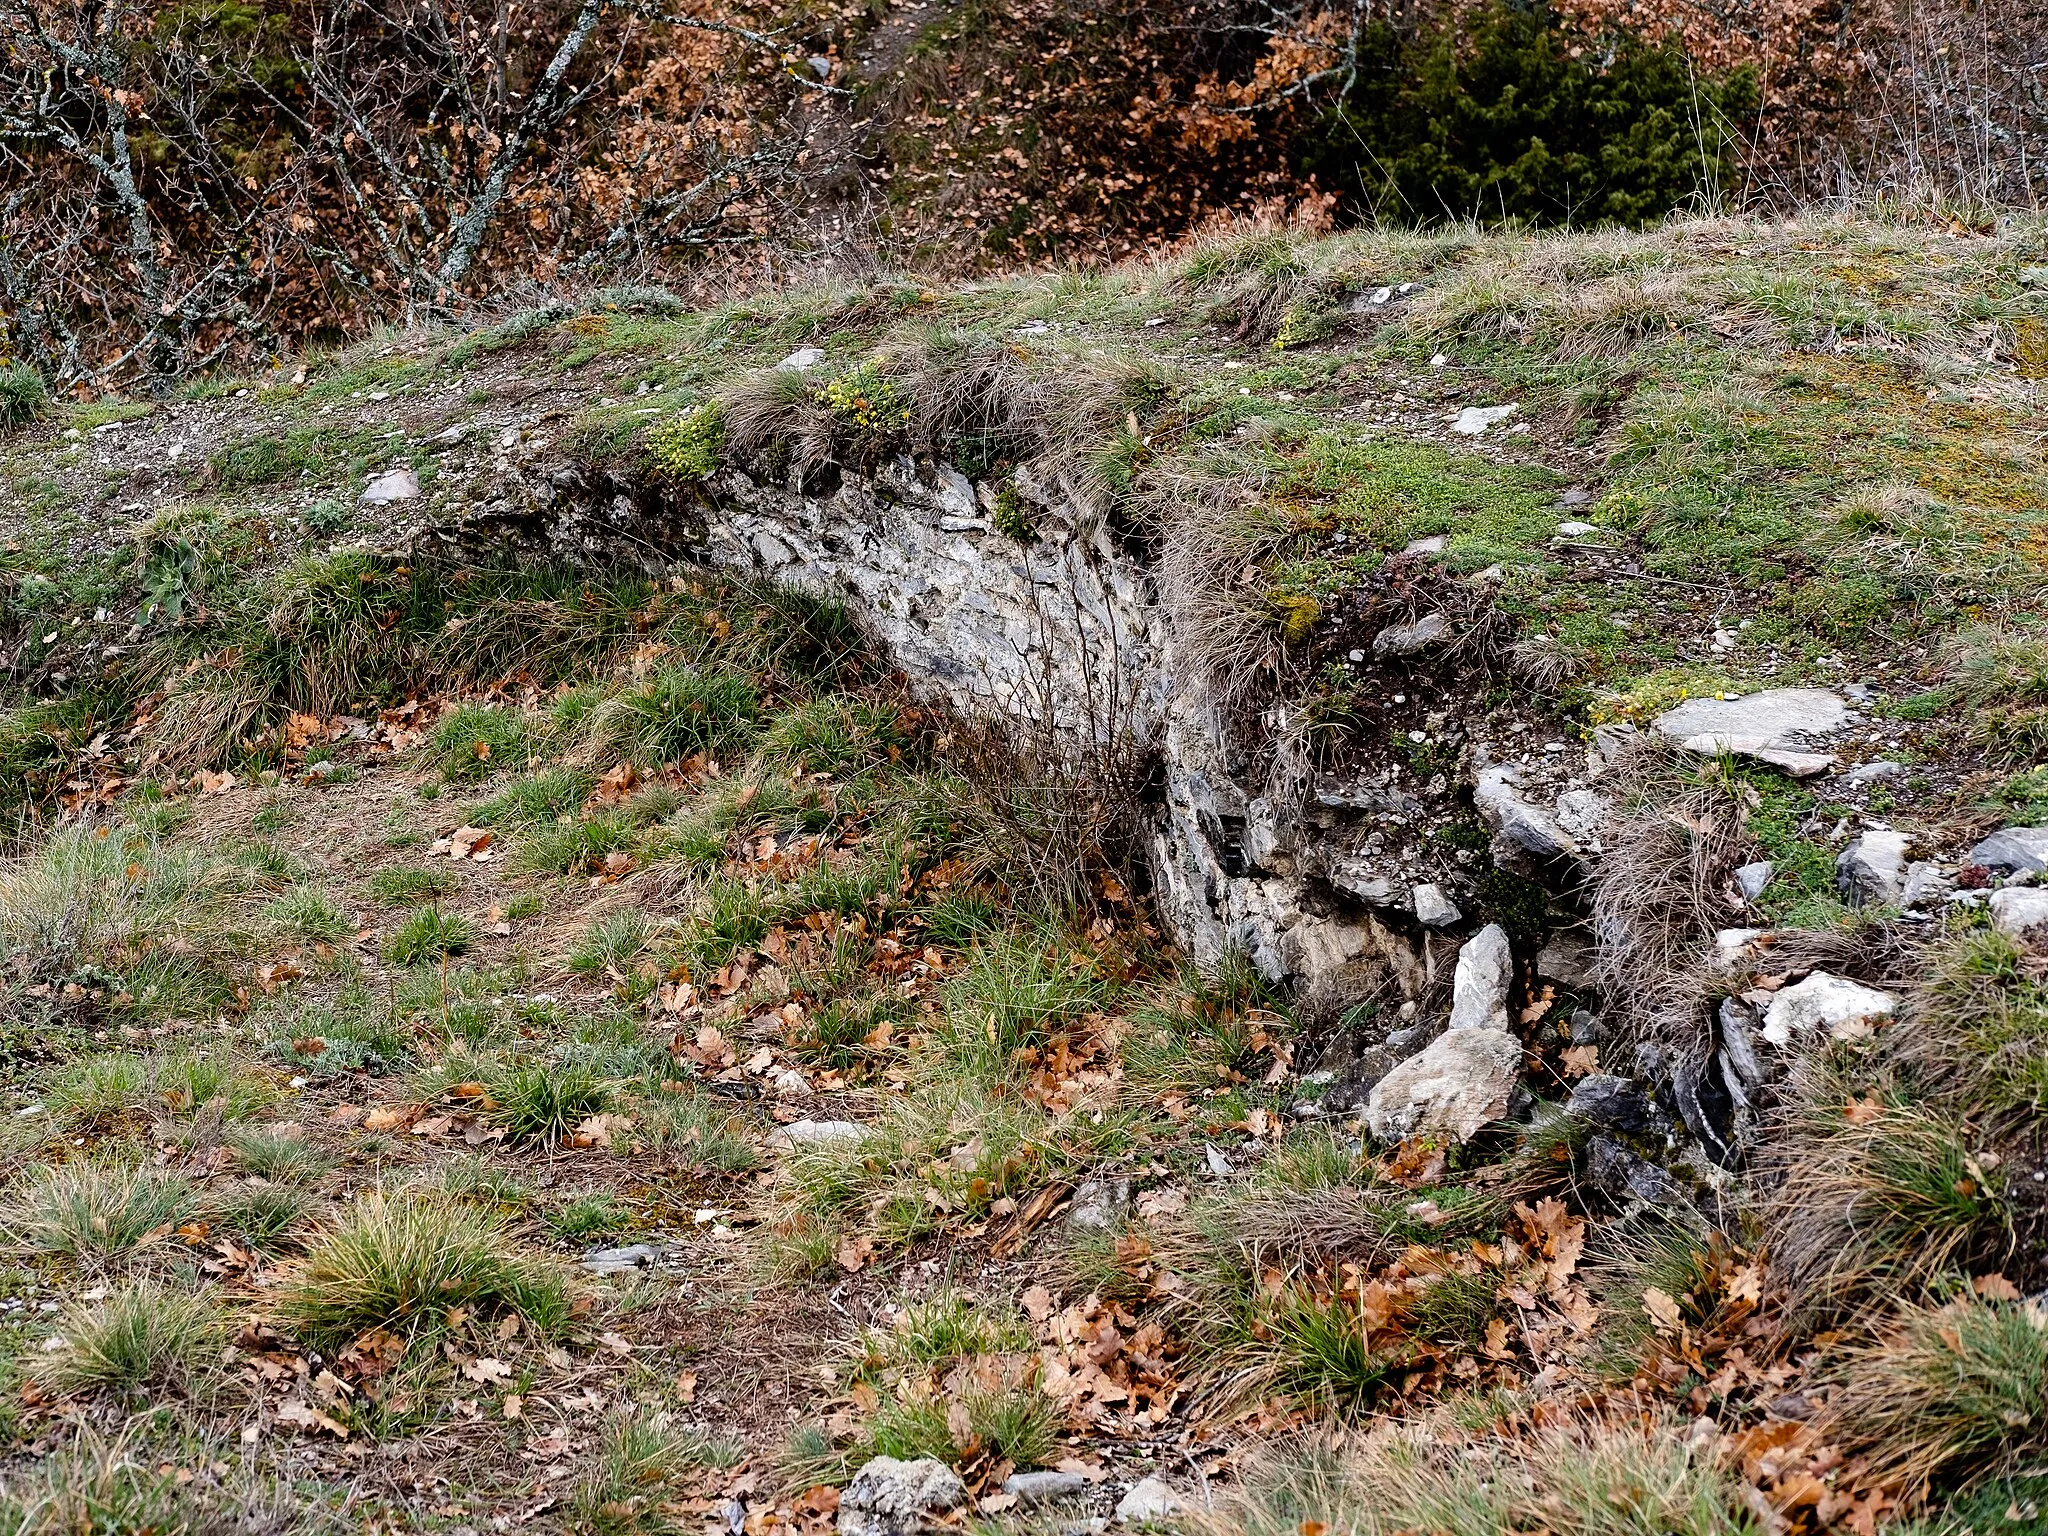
1479, 989
2015, 848
1871, 870
621, 1261
1473, 420
1461, 1082
1927, 884
1566, 959
392, 485
1030, 1489
1751, 879
1526, 839
1150, 1500
2021, 912
888, 1497
1615, 1104
1825, 1004
1780, 726
1408, 639
814, 1133
1433, 909
1099, 1204
1582, 813
1872, 773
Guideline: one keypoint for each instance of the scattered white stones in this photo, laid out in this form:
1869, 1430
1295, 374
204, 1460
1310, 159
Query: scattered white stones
1751, 879
1149, 1501
1479, 989
1576, 529
2021, 912
2015, 848
1871, 870
1434, 909
1458, 1083
392, 485
888, 1497
1475, 419
1825, 1004
1781, 727
791, 1084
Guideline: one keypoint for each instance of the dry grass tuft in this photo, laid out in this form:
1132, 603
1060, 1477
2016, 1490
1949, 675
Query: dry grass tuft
1950, 1394
144, 1338
1583, 1479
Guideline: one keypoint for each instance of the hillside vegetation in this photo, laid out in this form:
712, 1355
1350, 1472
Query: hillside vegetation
509, 1026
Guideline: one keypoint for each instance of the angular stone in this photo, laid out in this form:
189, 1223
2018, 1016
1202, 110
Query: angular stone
1781, 726
1825, 1004
823, 1132
1566, 959
1475, 419
1871, 870
1740, 1057
1150, 1501
1099, 1204
621, 1261
2021, 912
1872, 773
2015, 848
1526, 839
803, 358
1582, 813
1460, 1083
1610, 1103
1408, 639
392, 485
1359, 881
888, 1497
1623, 1176
1030, 1489
1750, 879
1927, 884
1479, 988
1433, 909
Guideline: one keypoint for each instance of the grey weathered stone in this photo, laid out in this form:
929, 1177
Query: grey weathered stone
1462, 1081
2021, 912
1434, 909
1473, 420
2014, 848
392, 485
1781, 726
1479, 987
1751, 879
1623, 1176
621, 1261
1582, 813
1030, 1489
1871, 870
888, 1497
823, 1132
1873, 773
1099, 1204
1409, 639
1825, 1005
1149, 1501
1743, 1061
1575, 529
803, 358
1567, 959
1357, 879
1927, 884
1526, 839
1615, 1104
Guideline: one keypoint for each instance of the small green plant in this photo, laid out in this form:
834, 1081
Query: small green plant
544, 1101
679, 710
1012, 518
404, 1263
277, 1156
429, 937
23, 395
473, 741
525, 904
413, 887
610, 945
143, 1339
95, 1211
867, 399
584, 1217
642, 1458
310, 915
685, 448
327, 517
262, 1213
